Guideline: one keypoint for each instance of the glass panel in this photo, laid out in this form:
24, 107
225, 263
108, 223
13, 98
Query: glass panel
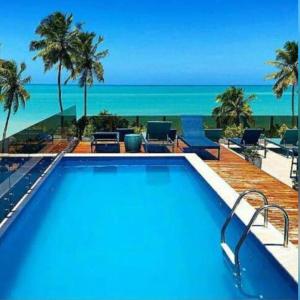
17, 175
49, 135
271, 124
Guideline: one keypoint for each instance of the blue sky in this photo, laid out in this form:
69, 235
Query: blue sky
164, 42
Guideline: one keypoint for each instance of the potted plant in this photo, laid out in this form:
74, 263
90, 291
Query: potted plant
252, 155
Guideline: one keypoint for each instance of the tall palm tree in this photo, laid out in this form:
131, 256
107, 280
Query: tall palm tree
13, 91
287, 75
56, 46
87, 62
234, 108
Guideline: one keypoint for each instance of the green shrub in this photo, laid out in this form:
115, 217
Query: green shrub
233, 131
108, 122
80, 125
251, 153
138, 129
89, 129
71, 130
282, 129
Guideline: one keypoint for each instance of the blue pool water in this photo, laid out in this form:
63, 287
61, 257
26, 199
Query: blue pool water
131, 228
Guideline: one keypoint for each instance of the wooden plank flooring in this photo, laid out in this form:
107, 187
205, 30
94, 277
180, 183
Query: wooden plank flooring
241, 176
55, 147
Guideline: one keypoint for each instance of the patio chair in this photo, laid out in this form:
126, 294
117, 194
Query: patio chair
249, 139
214, 134
193, 134
288, 141
105, 142
156, 138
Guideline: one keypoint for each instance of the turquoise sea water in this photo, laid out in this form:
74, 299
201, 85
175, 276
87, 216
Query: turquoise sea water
139, 100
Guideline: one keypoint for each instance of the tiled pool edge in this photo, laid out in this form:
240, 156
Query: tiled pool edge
286, 257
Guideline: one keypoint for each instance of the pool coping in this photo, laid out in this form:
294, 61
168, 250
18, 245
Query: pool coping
3, 155
287, 257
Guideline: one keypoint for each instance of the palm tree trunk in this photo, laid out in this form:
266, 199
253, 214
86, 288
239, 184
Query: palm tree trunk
5, 129
85, 99
59, 86
62, 120
293, 105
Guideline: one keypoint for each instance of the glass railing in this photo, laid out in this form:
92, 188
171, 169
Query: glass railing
18, 174
53, 134
270, 124
26, 155
47, 136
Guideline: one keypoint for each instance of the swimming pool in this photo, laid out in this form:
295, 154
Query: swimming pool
131, 228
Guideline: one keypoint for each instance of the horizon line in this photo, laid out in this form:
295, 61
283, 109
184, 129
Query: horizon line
124, 84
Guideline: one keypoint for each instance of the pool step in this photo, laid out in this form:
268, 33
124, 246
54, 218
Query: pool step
228, 252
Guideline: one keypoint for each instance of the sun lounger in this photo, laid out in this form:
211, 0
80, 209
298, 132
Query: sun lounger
156, 138
214, 134
193, 134
249, 139
288, 141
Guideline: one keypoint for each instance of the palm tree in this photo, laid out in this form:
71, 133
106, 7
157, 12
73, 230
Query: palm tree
56, 46
87, 61
287, 75
13, 92
234, 108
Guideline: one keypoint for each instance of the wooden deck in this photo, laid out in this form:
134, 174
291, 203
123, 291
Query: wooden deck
241, 175
55, 147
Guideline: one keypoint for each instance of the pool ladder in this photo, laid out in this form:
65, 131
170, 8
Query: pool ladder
234, 255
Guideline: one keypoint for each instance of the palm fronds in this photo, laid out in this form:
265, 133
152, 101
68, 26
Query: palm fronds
57, 44
13, 92
286, 63
234, 108
87, 62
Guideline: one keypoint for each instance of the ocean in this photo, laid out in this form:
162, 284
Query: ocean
139, 100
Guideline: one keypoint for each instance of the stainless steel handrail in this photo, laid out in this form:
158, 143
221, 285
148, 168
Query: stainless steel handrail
255, 215
237, 202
